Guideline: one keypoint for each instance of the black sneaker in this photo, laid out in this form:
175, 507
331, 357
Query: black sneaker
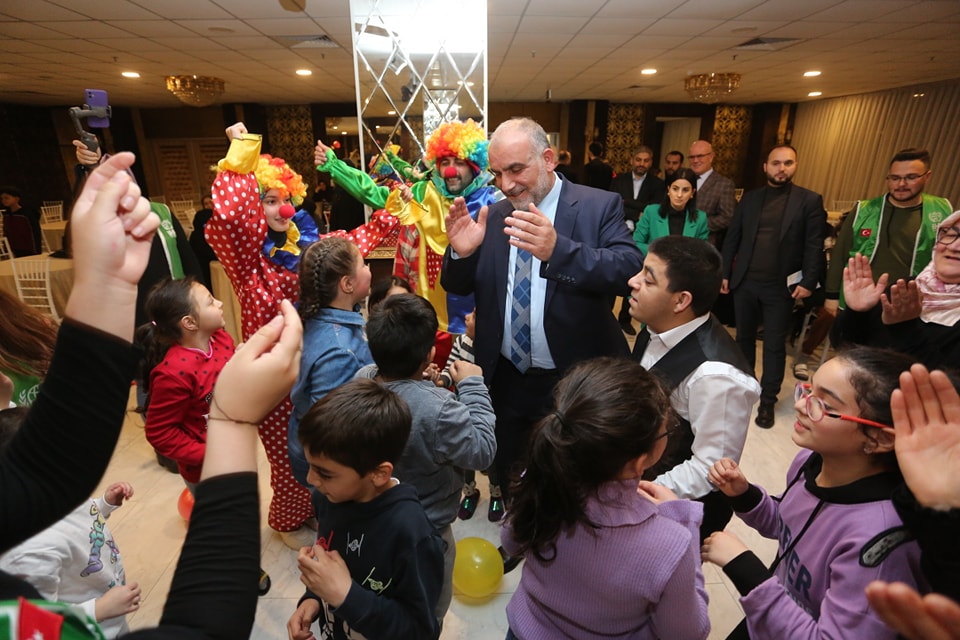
765, 417
509, 562
263, 587
468, 505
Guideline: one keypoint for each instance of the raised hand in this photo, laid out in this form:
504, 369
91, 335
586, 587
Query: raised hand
926, 420
464, 233
235, 131
320, 154
111, 229
905, 302
461, 369
726, 475
859, 290
85, 156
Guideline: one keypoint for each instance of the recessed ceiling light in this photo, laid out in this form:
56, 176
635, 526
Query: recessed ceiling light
304, 72
391, 113
919, 94
648, 72
130, 74
814, 94
810, 74
343, 133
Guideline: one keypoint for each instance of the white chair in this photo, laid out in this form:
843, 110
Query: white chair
6, 253
52, 213
32, 277
162, 199
184, 210
45, 242
53, 203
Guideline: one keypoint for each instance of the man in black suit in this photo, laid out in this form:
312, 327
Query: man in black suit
582, 255
638, 189
771, 258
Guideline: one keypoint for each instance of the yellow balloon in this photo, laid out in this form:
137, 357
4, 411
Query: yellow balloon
478, 568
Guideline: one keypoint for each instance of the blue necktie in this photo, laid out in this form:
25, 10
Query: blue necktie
520, 312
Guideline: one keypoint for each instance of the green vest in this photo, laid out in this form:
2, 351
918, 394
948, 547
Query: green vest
868, 222
30, 619
168, 239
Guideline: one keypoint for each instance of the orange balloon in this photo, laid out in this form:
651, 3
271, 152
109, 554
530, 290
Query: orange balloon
185, 504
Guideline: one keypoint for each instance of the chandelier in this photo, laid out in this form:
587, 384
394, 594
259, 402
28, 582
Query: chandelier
195, 91
711, 87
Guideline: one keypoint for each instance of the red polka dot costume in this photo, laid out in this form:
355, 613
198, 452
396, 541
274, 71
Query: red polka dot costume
237, 232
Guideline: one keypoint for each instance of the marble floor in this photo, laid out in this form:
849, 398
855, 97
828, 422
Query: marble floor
149, 533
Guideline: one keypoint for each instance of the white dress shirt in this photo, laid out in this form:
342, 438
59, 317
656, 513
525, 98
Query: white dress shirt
540, 355
703, 178
716, 399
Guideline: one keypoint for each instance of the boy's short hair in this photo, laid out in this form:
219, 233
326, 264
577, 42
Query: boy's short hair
360, 424
693, 265
400, 332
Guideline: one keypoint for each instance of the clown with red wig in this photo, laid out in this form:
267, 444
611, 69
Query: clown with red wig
456, 153
258, 237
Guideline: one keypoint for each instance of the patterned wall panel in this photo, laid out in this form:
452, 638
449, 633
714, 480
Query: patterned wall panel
176, 176
624, 134
290, 130
731, 136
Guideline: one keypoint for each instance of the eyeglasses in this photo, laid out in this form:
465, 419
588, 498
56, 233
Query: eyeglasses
700, 155
816, 410
911, 177
948, 235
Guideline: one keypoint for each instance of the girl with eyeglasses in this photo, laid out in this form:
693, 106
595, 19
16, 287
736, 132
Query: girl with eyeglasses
835, 521
603, 559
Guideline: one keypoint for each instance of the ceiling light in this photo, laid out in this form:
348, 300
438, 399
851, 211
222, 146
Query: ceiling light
814, 94
919, 94
195, 91
647, 72
711, 87
810, 74
304, 72
130, 74
391, 113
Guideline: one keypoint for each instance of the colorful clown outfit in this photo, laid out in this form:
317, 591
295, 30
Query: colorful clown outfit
424, 238
262, 275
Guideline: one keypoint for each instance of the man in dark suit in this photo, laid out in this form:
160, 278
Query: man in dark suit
582, 255
772, 257
638, 189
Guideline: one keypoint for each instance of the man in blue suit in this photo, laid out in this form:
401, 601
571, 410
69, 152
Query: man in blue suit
582, 255
772, 256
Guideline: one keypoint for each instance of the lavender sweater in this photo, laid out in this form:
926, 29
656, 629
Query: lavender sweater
834, 551
637, 576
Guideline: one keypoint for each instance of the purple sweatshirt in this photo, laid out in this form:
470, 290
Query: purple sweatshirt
833, 543
637, 576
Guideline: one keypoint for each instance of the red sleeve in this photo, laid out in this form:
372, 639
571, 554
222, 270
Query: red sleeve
237, 229
167, 429
369, 236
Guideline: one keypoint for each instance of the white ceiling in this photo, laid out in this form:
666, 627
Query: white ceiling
50, 50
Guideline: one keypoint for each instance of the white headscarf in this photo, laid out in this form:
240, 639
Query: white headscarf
941, 301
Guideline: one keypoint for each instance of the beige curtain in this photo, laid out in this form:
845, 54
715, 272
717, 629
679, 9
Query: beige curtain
845, 144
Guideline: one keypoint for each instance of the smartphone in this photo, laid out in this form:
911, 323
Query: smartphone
97, 98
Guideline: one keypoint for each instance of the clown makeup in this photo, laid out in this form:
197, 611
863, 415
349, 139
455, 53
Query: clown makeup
272, 201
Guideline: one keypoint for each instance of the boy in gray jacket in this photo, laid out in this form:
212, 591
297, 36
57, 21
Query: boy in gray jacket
450, 432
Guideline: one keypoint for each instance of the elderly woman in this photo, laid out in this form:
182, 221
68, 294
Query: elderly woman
920, 317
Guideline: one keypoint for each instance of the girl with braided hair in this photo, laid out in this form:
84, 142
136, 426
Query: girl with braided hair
259, 238
334, 280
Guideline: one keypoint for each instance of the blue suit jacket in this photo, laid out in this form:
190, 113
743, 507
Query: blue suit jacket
592, 261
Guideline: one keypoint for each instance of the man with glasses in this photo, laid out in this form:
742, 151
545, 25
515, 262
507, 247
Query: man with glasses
896, 231
715, 193
712, 387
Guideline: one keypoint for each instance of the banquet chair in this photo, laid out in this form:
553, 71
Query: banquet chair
53, 203
52, 213
32, 277
6, 253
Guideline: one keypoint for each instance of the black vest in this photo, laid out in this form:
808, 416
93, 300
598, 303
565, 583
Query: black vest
710, 342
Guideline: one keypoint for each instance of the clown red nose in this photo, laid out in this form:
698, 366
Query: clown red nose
287, 211
450, 172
